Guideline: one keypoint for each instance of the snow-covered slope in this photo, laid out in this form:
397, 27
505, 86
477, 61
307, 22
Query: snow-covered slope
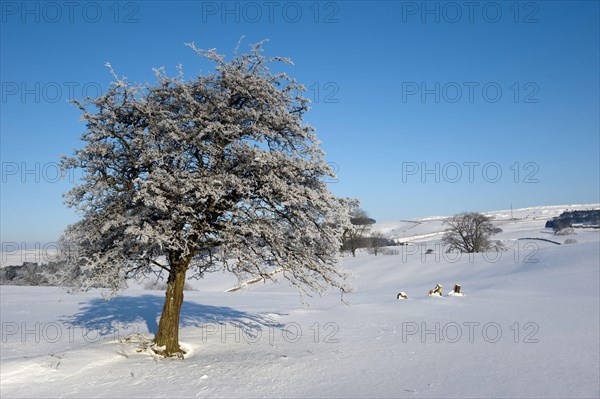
430, 227
528, 326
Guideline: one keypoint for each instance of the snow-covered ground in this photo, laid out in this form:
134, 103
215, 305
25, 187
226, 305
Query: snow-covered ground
528, 326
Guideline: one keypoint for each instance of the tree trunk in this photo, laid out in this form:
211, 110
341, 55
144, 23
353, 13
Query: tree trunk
167, 336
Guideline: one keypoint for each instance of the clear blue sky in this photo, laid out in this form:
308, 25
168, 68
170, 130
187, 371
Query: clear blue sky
462, 90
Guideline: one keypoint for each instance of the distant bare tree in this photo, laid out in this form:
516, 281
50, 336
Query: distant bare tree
355, 235
470, 232
377, 241
562, 227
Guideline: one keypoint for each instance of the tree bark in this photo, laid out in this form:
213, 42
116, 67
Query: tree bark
167, 337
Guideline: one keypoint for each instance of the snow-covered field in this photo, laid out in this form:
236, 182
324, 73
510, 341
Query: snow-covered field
528, 326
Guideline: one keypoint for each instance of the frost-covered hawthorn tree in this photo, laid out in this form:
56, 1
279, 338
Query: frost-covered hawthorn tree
220, 170
470, 232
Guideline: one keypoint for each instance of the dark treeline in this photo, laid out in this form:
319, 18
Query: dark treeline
588, 218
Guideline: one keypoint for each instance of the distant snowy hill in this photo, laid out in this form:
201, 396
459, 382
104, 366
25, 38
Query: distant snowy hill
429, 227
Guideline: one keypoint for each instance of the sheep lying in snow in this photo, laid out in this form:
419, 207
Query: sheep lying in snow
437, 291
456, 291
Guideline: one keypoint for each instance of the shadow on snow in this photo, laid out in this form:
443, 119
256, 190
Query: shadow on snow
123, 314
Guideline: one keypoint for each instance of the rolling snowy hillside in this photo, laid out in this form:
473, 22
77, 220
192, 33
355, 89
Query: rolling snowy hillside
528, 326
